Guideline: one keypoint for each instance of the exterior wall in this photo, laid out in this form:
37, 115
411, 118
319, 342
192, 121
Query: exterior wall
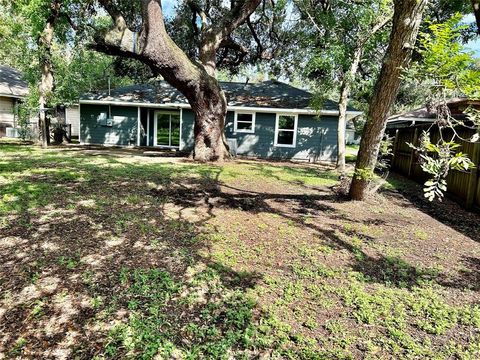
122, 132
72, 114
316, 138
187, 141
350, 137
6, 114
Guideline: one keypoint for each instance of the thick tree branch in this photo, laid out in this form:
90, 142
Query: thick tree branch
236, 17
197, 10
119, 39
213, 36
255, 36
476, 12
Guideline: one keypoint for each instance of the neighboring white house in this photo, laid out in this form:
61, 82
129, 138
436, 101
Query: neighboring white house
72, 116
351, 138
12, 89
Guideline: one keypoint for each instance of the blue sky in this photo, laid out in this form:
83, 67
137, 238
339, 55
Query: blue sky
167, 7
474, 45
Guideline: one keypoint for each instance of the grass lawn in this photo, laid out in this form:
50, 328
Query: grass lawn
109, 254
351, 153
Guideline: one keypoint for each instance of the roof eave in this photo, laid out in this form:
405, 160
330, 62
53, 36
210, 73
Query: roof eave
305, 111
15, 96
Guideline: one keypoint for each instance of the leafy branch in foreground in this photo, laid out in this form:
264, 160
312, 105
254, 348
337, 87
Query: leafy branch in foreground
446, 71
437, 160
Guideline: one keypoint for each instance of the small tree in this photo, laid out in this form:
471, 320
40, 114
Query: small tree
346, 36
446, 70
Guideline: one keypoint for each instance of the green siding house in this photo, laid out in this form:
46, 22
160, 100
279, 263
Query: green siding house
270, 120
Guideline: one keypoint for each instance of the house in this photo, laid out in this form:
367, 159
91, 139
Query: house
72, 117
267, 120
12, 90
351, 135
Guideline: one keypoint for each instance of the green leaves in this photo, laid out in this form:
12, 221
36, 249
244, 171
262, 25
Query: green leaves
446, 70
437, 160
445, 63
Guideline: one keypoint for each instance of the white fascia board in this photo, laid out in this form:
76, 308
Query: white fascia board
136, 104
291, 111
229, 108
400, 119
12, 96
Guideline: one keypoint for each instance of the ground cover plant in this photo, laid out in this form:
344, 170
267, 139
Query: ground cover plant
108, 254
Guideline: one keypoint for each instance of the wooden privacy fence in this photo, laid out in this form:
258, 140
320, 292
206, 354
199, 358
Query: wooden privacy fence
463, 185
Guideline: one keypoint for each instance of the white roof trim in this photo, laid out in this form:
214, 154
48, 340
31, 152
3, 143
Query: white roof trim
135, 104
12, 96
400, 119
230, 108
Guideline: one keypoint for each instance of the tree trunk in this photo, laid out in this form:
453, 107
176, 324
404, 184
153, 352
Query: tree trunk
476, 12
345, 90
342, 124
210, 108
406, 22
46, 85
342, 106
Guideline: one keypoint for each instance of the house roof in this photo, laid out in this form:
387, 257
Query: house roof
267, 94
11, 83
428, 115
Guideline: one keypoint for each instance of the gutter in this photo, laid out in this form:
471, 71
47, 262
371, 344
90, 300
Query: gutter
351, 114
12, 96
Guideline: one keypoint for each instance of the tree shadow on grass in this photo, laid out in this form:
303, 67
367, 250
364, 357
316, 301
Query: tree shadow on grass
377, 268
468, 277
447, 212
126, 270
111, 278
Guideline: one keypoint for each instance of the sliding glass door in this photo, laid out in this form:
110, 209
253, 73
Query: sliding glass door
167, 128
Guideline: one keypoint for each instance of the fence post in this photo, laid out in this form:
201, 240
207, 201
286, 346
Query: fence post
412, 155
395, 149
473, 179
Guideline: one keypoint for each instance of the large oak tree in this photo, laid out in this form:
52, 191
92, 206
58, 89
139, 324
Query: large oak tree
195, 78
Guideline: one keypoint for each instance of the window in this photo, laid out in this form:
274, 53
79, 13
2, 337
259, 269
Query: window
286, 130
244, 122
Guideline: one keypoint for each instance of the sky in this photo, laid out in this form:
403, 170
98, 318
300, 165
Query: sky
474, 45
167, 7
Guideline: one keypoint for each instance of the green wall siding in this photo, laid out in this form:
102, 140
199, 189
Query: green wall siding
316, 138
187, 141
122, 132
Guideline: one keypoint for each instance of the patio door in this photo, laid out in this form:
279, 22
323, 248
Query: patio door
167, 128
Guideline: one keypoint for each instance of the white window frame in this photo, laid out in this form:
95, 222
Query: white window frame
235, 129
295, 127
